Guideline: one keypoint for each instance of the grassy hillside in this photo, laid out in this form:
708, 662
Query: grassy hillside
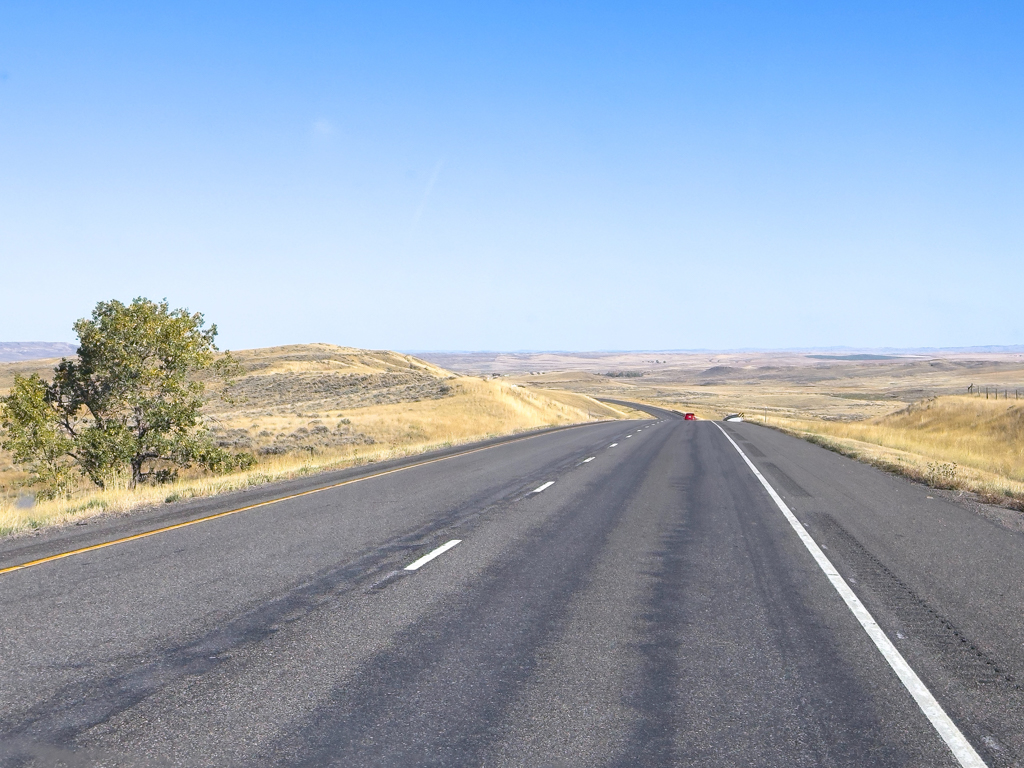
305, 408
952, 442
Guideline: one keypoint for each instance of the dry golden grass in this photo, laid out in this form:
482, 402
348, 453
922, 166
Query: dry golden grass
475, 409
966, 443
903, 414
987, 435
990, 487
25, 368
478, 409
312, 358
118, 499
592, 407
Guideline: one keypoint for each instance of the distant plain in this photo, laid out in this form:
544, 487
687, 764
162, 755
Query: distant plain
954, 420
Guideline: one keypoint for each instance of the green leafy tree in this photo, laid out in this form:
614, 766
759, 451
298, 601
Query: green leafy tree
34, 435
130, 401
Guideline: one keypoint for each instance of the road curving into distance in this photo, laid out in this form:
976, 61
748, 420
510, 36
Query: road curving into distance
617, 594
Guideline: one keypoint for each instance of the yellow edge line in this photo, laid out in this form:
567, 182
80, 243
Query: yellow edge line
198, 520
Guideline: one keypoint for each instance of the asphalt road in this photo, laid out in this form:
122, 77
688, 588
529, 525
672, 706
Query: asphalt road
651, 606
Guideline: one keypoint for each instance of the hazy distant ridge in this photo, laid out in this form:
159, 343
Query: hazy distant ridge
15, 351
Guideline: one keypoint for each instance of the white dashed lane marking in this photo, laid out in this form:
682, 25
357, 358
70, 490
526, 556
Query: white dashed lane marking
590, 459
546, 485
431, 555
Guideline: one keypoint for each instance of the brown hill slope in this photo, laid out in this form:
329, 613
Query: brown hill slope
309, 407
13, 351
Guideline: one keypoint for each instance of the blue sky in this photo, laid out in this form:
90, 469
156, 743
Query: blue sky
518, 176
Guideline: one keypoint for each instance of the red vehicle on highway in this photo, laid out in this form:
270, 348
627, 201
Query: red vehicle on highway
689, 417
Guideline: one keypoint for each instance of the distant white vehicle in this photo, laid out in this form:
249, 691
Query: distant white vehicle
734, 417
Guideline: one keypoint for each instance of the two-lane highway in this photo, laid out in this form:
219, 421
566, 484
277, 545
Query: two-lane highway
617, 594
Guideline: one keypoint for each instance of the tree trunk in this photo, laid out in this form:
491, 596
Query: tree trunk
136, 471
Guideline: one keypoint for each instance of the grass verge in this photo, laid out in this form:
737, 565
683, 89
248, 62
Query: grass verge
120, 500
952, 443
477, 410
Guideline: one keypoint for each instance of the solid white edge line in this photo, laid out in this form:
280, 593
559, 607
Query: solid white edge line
431, 555
943, 724
544, 487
